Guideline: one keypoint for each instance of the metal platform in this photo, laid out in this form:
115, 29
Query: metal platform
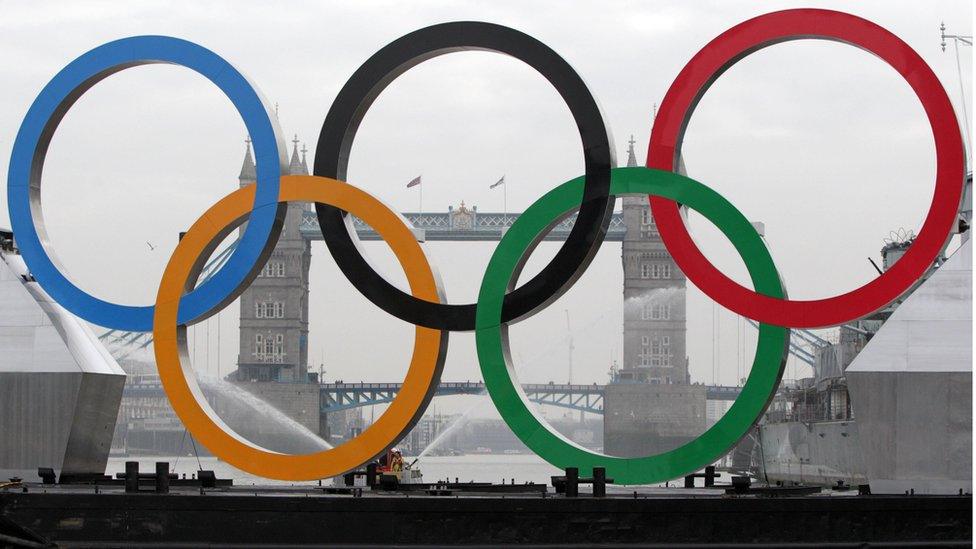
304, 516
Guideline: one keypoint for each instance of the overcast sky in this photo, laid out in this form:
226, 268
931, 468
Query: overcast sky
821, 141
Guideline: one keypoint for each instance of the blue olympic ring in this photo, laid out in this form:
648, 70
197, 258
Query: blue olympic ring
42, 119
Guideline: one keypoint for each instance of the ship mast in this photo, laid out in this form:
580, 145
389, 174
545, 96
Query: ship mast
968, 41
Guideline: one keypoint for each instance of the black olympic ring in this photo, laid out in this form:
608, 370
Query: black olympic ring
355, 98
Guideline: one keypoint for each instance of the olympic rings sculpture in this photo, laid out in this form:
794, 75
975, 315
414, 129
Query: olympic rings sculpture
501, 302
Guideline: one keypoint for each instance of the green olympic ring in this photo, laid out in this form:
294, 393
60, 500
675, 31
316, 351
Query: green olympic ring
499, 372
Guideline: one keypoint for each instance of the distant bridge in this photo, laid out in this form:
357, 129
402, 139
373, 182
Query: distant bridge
335, 397
455, 225
586, 398
463, 225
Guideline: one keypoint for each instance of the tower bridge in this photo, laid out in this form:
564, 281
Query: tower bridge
274, 309
462, 225
586, 398
339, 396
652, 381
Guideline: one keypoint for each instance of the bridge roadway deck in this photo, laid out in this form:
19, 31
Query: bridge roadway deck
469, 226
343, 396
588, 398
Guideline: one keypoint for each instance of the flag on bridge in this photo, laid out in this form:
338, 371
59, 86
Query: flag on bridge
414, 182
497, 183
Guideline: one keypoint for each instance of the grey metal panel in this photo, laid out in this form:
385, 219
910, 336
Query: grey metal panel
93, 424
819, 453
51, 352
35, 418
14, 301
62, 331
59, 388
931, 330
911, 388
17, 344
28, 339
19, 308
916, 430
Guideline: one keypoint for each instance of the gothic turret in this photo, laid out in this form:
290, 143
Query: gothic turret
650, 407
248, 172
296, 166
654, 299
274, 309
631, 156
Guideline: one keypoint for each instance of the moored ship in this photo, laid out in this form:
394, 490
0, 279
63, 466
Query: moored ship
810, 433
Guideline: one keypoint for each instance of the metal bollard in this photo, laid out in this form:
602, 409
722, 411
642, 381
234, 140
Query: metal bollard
131, 476
599, 482
371, 475
162, 477
709, 476
47, 475
207, 479
572, 482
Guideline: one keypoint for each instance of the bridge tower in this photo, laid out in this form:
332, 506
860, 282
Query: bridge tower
274, 309
650, 405
654, 300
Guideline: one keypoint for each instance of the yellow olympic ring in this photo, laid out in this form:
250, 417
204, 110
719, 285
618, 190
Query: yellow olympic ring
176, 373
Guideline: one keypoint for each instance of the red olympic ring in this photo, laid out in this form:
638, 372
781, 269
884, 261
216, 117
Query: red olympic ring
750, 36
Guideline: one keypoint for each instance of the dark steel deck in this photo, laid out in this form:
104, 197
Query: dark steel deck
296, 516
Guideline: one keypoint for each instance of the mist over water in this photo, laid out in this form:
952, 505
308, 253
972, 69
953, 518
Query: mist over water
454, 426
248, 415
257, 420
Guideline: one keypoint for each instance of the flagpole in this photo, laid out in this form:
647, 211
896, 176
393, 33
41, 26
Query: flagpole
505, 201
421, 185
